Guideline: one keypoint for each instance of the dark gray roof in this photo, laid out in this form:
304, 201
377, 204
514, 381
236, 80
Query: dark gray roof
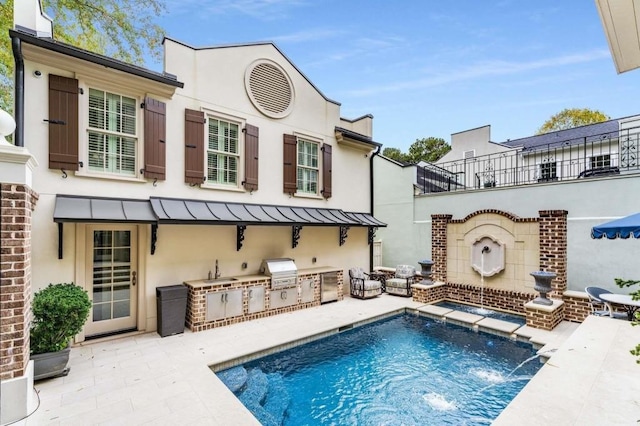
160, 210
75, 52
592, 133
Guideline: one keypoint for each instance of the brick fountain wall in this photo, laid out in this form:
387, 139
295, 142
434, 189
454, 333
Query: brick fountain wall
552, 258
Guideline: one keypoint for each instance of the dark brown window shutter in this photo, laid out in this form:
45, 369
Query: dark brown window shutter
63, 123
326, 171
194, 146
251, 138
290, 165
154, 139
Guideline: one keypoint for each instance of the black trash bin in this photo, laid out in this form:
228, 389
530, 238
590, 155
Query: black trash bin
172, 309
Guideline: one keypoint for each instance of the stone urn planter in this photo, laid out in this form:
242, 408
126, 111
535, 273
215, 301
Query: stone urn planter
426, 271
50, 364
543, 286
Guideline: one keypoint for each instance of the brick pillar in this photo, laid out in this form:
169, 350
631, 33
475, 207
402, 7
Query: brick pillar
553, 248
17, 202
439, 246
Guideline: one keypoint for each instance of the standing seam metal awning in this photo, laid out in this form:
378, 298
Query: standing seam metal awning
176, 211
71, 208
158, 210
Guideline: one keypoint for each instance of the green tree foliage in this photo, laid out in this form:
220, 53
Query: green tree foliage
395, 154
6, 58
636, 320
428, 149
572, 117
121, 29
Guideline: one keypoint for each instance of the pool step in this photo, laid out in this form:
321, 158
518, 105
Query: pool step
234, 378
278, 398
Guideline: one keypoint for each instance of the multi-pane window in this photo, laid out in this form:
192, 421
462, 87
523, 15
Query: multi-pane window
112, 133
222, 152
600, 161
111, 274
548, 170
307, 173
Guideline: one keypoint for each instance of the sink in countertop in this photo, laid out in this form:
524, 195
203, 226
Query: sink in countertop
220, 280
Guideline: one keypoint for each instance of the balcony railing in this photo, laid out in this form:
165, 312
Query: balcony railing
594, 156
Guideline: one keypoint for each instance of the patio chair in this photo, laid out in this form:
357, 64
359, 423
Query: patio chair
598, 306
361, 286
400, 284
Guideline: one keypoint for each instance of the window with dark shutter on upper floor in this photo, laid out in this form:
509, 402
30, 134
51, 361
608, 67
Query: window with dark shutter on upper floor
215, 148
306, 167
102, 132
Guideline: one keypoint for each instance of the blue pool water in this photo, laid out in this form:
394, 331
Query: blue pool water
518, 319
405, 370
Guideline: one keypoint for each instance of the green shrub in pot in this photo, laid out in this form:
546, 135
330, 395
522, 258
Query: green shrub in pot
59, 312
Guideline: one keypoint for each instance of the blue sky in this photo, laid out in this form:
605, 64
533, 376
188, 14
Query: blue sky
431, 68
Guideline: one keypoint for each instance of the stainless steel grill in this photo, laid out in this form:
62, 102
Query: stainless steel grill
283, 272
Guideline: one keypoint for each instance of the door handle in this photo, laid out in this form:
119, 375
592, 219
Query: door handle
134, 278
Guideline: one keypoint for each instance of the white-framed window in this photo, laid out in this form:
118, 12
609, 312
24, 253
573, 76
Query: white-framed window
308, 171
112, 133
222, 152
548, 171
598, 161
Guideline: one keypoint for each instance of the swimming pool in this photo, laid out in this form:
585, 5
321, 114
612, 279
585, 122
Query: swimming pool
404, 370
518, 319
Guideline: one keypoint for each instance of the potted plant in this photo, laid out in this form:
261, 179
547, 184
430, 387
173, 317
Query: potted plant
59, 312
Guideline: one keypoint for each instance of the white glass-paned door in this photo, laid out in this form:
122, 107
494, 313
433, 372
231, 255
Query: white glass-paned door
112, 272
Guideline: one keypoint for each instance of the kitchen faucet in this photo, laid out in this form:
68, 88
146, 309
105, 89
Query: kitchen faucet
217, 270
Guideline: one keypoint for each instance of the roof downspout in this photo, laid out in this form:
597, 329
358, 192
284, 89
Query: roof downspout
18, 109
376, 152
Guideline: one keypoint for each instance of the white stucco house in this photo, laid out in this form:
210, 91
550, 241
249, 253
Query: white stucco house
227, 157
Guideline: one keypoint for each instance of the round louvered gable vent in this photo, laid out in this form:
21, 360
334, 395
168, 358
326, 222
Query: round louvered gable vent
269, 89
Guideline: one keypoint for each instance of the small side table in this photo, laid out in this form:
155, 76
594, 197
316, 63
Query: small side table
379, 276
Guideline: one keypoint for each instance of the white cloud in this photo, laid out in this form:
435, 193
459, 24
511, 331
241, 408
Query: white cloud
484, 69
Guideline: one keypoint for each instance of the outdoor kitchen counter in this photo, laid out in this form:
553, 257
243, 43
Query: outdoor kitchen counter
229, 300
318, 270
221, 282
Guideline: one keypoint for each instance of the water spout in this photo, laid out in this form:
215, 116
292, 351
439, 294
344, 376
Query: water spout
486, 248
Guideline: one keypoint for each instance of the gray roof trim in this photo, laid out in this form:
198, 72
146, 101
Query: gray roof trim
70, 208
159, 210
85, 55
357, 136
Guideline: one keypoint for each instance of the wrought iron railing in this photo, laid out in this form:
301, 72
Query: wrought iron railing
594, 156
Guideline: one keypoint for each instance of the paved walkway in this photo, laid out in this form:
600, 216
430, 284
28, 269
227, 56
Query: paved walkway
145, 379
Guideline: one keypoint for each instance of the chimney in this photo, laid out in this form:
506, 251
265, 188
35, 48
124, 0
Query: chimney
28, 16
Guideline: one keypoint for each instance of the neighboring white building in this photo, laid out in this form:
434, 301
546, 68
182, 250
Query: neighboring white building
592, 172
147, 179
